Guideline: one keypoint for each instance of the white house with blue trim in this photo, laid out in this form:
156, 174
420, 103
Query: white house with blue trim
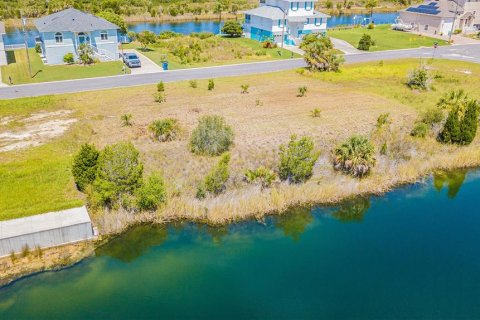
3, 55
292, 18
63, 31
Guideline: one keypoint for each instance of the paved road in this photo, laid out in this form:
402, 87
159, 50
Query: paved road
469, 53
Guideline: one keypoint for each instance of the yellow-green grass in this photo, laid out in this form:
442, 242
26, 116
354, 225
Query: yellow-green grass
385, 38
17, 69
38, 179
157, 54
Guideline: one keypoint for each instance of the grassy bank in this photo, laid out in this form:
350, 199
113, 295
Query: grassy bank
263, 119
214, 51
17, 69
385, 38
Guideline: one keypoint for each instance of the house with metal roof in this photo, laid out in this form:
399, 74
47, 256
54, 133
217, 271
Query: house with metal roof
3, 55
64, 31
284, 21
442, 17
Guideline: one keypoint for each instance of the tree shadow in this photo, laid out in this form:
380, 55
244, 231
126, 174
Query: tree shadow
294, 222
352, 210
453, 180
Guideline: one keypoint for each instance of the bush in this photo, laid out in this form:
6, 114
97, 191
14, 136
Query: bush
262, 176
420, 130
152, 193
193, 84
297, 160
365, 42
432, 116
216, 179
69, 58
168, 35
211, 137
419, 79
211, 85
329, 4
371, 25
382, 120
355, 156
160, 97
244, 88
119, 172
165, 130
302, 91
202, 35
232, 29
85, 53
145, 38
126, 119
461, 125
320, 55
160, 87
84, 166
315, 113
38, 48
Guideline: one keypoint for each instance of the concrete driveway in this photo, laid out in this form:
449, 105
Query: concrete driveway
148, 66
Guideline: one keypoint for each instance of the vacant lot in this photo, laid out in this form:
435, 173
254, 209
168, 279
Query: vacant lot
385, 38
17, 69
38, 179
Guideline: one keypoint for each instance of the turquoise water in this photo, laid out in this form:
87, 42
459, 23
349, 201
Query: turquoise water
413, 253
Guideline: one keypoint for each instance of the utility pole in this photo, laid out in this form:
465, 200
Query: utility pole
453, 23
24, 25
283, 28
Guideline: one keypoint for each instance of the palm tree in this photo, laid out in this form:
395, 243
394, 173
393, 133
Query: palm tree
355, 156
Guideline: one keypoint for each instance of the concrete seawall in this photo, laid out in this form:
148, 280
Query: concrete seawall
45, 230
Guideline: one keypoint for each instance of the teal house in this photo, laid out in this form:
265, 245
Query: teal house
64, 31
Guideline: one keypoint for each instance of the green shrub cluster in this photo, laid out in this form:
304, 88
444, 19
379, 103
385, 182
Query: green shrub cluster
462, 122
261, 176
214, 182
232, 29
84, 166
165, 129
297, 159
365, 42
419, 79
355, 156
152, 193
211, 137
420, 130
383, 120
68, 58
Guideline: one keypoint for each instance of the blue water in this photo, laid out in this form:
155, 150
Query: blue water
411, 254
15, 35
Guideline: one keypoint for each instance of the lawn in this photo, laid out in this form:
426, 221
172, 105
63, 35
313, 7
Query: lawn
214, 51
17, 69
38, 179
385, 38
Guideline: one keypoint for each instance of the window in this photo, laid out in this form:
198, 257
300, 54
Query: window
247, 18
426, 27
308, 6
308, 21
103, 35
58, 37
318, 21
280, 23
294, 6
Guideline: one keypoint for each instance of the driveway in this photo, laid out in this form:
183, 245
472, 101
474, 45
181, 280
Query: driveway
148, 66
344, 46
470, 53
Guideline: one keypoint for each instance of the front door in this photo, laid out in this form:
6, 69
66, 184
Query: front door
82, 38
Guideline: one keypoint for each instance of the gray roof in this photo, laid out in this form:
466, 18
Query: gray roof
2, 27
72, 20
266, 12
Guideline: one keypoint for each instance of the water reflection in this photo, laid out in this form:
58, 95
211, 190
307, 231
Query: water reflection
452, 179
352, 210
134, 243
294, 222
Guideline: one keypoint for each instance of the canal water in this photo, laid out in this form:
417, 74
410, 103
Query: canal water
15, 35
411, 254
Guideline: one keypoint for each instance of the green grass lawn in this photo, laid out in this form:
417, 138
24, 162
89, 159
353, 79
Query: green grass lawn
157, 54
385, 38
17, 69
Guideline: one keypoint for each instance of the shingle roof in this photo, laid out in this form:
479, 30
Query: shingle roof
266, 12
72, 20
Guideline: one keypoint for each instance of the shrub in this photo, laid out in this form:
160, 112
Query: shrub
193, 84
25, 251
85, 53
355, 156
84, 166
160, 97
38, 48
297, 160
329, 4
214, 182
365, 42
211, 137
371, 25
145, 38
211, 85
383, 150
261, 176
202, 35
152, 193
419, 79
315, 113
432, 116
168, 35
382, 120
320, 54
132, 35
461, 125
232, 29
165, 130
302, 91
119, 172
126, 119
420, 130
69, 58
244, 88
160, 87
258, 103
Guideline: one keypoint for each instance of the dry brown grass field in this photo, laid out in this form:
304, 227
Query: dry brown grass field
264, 118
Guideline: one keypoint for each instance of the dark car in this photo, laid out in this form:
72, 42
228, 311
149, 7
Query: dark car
132, 60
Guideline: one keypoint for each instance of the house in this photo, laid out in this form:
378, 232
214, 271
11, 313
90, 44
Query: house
441, 17
3, 54
290, 18
63, 32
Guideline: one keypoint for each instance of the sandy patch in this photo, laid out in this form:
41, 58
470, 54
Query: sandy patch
34, 130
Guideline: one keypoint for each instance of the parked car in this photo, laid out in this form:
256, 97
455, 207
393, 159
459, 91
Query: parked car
131, 60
